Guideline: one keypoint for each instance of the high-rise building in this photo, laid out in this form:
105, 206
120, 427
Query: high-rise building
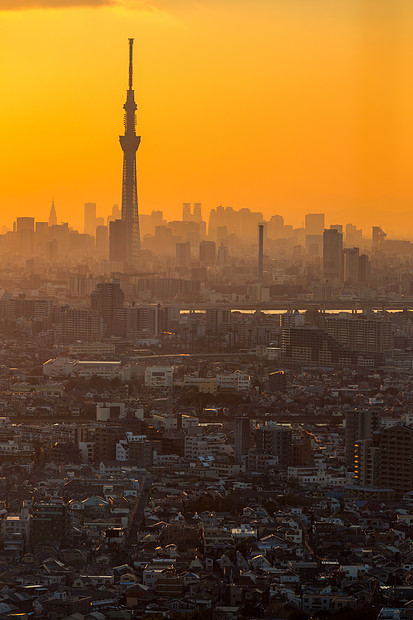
275, 440
186, 211
359, 332
351, 265
364, 268
50, 523
360, 425
333, 256
183, 254
378, 236
241, 438
52, 216
116, 240
89, 226
260, 252
367, 461
396, 458
75, 324
216, 320
25, 232
314, 223
207, 253
102, 241
354, 236
106, 300
130, 144
197, 212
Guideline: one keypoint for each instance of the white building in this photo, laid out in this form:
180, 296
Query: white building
235, 382
159, 376
103, 369
92, 348
58, 367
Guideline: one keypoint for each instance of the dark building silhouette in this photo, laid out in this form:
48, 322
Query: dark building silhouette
106, 300
277, 381
396, 458
130, 144
241, 438
52, 216
275, 440
333, 256
116, 240
89, 226
260, 252
207, 252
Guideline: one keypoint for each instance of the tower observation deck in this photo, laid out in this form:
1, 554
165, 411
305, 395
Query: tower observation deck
129, 142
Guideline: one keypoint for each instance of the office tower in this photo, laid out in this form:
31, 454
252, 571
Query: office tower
197, 212
52, 216
360, 425
333, 256
241, 438
25, 224
25, 232
260, 252
78, 324
50, 523
274, 440
314, 223
396, 459
89, 226
367, 461
116, 240
354, 236
186, 211
378, 236
207, 253
360, 333
215, 320
102, 241
130, 144
115, 215
275, 227
309, 345
222, 256
183, 254
338, 227
314, 245
106, 300
364, 268
277, 381
351, 265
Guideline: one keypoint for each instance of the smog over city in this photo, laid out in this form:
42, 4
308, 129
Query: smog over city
206, 310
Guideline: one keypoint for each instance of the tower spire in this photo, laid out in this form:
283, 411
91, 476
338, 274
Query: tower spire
52, 216
130, 63
130, 144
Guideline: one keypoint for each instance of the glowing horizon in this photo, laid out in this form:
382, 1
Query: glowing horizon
283, 106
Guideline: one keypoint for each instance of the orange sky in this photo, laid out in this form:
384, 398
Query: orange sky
284, 106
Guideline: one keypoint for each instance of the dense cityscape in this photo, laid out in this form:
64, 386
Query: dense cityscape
204, 418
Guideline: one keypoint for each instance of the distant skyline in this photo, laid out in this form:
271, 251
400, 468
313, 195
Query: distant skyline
282, 106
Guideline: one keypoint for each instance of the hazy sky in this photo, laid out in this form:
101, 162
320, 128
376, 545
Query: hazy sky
284, 106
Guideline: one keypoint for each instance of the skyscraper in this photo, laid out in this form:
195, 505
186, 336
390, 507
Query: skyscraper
89, 227
260, 252
314, 223
130, 144
333, 256
241, 438
52, 216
